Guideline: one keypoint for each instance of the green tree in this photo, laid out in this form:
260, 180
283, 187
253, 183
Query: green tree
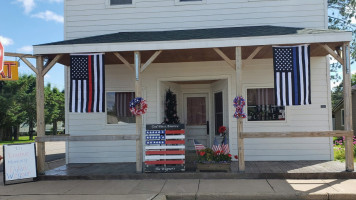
341, 16
54, 107
27, 100
11, 112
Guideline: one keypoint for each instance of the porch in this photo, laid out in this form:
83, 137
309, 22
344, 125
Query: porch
254, 170
233, 49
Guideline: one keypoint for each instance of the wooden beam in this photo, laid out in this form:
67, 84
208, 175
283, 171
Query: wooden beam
240, 139
40, 115
149, 61
20, 55
337, 133
349, 154
55, 138
122, 59
138, 93
29, 65
227, 59
254, 53
51, 64
332, 53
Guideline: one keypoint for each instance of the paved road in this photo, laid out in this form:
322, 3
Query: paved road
54, 151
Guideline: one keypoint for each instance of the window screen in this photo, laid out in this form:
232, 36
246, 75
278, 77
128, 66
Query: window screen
261, 105
118, 107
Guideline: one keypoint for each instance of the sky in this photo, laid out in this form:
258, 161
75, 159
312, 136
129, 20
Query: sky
24, 23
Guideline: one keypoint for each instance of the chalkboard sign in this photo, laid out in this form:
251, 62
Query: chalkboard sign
19, 162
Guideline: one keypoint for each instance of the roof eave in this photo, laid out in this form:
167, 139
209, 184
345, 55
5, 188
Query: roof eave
195, 43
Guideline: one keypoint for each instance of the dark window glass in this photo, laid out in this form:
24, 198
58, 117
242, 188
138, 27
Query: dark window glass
120, 2
118, 107
261, 105
219, 120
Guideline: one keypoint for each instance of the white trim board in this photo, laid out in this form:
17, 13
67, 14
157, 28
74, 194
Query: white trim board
192, 44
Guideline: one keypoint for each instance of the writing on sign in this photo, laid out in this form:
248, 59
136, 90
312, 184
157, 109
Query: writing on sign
19, 161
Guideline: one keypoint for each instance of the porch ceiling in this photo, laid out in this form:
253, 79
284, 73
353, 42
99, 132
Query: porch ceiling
202, 54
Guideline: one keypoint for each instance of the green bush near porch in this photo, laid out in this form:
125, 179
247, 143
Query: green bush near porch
339, 148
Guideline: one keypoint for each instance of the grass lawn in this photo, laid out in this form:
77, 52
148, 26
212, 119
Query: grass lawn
22, 139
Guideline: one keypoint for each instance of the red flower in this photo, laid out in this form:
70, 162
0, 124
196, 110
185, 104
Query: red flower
222, 129
236, 157
229, 155
202, 153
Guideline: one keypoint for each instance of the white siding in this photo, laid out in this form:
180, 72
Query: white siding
87, 18
156, 80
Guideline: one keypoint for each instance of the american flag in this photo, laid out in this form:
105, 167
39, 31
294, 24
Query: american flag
165, 147
87, 80
216, 146
292, 75
198, 146
225, 146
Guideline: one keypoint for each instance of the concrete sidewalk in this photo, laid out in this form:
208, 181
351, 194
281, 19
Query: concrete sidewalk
202, 189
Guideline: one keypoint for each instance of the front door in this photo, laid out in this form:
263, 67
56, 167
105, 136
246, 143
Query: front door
196, 119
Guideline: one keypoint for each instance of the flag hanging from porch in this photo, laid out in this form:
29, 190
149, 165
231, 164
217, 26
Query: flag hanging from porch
87, 83
292, 75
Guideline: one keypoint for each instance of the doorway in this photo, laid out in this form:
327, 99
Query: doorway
196, 115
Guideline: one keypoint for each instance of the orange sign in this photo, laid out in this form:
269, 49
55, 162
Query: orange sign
10, 71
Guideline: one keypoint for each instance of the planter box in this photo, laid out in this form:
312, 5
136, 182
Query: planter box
213, 167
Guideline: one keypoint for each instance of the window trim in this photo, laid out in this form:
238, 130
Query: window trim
106, 107
108, 5
342, 111
180, 3
252, 123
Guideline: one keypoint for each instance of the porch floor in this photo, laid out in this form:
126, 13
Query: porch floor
254, 170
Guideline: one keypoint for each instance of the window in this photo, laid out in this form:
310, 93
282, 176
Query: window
342, 117
118, 107
188, 0
219, 119
120, 2
261, 105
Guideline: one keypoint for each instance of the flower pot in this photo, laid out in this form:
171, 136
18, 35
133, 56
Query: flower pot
214, 167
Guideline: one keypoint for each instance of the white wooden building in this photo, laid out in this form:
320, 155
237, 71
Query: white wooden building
206, 52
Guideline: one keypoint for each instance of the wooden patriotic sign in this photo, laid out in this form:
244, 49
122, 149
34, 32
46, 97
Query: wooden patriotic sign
165, 148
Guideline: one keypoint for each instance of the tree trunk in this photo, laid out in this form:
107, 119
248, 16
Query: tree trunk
16, 133
30, 130
7, 134
55, 127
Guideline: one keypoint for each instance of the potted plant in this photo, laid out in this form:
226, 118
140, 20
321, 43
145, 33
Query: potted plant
214, 161
217, 158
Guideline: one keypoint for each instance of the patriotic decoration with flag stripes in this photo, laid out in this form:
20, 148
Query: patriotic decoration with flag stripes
292, 75
198, 146
216, 146
165, 150
87, 83
225, 146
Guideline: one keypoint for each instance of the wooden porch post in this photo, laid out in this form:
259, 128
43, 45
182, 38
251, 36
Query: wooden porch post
349, 161
240, 140
40, 115
138, 93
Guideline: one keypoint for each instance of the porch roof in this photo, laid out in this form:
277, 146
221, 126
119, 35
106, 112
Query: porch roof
188, 41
